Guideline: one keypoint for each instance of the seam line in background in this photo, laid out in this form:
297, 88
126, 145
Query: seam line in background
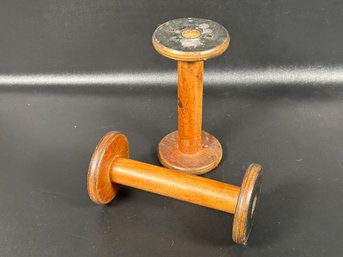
312, 75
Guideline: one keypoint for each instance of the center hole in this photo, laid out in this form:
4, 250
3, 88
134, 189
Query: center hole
190, 33
253, 206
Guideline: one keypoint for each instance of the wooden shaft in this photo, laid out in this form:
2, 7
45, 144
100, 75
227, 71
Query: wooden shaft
190, 91
187, 187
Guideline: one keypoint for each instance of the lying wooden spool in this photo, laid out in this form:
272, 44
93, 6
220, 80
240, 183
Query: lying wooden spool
110, 167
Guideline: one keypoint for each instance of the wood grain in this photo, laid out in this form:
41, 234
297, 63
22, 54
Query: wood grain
246, 205
206, 159
187, 187
190, 91
190, 56
186, 41
190, 149
100, 188
110, 168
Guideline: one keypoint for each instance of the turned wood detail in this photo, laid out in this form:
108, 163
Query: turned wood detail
110, 168
190, 87
190, 41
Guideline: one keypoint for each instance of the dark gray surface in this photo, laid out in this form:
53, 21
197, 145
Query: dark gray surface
48, 133
47, 139
106, 35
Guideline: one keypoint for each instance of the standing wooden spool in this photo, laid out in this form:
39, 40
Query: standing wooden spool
190, 41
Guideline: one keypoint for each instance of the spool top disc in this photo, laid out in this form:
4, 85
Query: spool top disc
190, 39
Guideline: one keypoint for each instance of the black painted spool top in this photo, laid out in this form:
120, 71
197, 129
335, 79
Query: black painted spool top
191, 39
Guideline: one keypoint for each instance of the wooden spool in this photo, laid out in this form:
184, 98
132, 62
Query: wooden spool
190, 41
110, 167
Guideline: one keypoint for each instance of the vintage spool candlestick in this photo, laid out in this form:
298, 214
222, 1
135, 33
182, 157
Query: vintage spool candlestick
190, 41
110, 167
